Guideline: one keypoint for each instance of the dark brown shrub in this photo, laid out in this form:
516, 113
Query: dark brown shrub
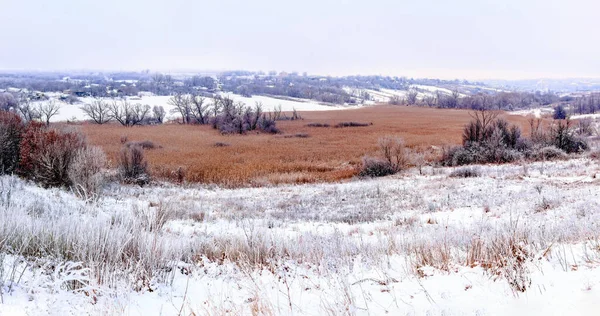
145, 144
133, 167
11, 132
376, 167
548, 153
297, 135
351, 124
317, 125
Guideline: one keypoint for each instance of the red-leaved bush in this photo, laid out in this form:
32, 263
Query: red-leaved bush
46, 154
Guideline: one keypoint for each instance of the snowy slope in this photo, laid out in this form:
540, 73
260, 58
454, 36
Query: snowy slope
397, 245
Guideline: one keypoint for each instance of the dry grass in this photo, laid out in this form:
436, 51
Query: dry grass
329, 154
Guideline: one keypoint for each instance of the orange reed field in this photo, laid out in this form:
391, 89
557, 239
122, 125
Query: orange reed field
328, 154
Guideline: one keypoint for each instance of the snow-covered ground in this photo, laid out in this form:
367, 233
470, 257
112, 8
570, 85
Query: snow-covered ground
535, 112
73, 112
385, 95
522, 239
594, 116
431, 88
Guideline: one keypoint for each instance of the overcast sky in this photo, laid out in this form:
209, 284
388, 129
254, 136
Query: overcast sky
473, 39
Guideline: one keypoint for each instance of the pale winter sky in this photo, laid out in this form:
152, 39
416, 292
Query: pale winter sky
473, 39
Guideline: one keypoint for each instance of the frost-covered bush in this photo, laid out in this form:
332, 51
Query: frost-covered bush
487, 139
547, 153
133, 167
563, 135
395, 152
85, 172
376, 167
466, 172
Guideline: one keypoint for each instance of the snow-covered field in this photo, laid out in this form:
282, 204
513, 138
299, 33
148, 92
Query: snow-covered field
385, 95
73, 112
535, 112
519, 240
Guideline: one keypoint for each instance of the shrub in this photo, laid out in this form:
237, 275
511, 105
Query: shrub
395, 152
559, 112
85, 172
230, 117
221, 144
46, 154
268, 126
575, 144
11, 132
145, 144
595, 155
297, 135
351, 124
458, 156
548, 153
317, 125
466, 172
133, 167
376, 167
563, 136
585, 127
490, 140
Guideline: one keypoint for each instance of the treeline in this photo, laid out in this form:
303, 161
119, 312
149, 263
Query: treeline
108, 85
507, 101
490, 139
586, 104
337, 90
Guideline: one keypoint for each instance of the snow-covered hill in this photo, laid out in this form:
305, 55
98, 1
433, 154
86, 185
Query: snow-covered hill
520, 239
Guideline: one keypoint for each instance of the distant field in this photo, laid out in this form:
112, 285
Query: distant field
328, 154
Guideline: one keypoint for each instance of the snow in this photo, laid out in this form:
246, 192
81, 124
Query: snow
432, 88
73, 112
583, 116
536, 112
377, 96
350, 246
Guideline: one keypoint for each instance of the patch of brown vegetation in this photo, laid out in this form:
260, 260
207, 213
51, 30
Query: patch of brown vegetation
329, 154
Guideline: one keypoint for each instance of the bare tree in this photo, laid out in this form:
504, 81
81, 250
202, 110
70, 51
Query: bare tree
7, 101
411, 97
120, 112
159, 113
27, 111
129, 115
183, 106
139, 114
47, 110
430, 101
395, 100
199, 109
258, 112
98, 111
480, 128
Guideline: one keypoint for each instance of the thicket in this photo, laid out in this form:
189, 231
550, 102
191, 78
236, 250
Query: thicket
52, 157
394, 157
225, 115
489, 139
